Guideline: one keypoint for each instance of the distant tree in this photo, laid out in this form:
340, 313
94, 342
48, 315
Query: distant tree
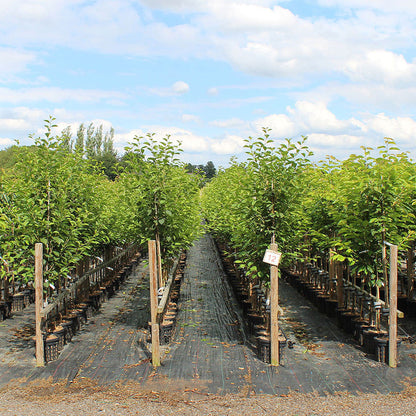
80, 141
66, 136
90, 142
210, 170
98, 141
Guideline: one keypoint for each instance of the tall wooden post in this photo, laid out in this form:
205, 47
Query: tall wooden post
40, 354
410, 270
154, 303
274, 311
340, 285
393, 307
159, 263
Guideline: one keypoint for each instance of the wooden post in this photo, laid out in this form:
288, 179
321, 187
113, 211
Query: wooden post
393, 307
154, 303
159, 264
410, 271
274, 312
340, 285
40, 354
385, 274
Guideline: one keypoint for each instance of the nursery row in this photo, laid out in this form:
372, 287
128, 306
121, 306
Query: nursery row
56, 197
253, 302
317, 212
59, 328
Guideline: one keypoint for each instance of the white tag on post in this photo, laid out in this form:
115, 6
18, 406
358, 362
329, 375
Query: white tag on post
272, 257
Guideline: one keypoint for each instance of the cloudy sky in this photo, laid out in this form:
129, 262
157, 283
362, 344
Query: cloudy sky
211, 73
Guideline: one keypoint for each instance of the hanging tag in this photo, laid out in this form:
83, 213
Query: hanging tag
272, 257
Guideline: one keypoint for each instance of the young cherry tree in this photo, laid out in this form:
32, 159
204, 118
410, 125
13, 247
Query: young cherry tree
163, 197
49, 197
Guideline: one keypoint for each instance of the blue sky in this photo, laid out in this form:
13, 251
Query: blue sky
212, 73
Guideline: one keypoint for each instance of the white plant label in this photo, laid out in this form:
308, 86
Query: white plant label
272, 257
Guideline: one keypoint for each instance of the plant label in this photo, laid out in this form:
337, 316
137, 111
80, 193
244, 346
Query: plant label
272, 257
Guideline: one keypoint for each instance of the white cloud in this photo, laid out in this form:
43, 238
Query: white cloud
213, 91
190, 118
333, 142
385, 6
5, 142
190, 142
315, 116
381, 66
13, 61
55, 95
232, 122
281, 125
400, 128
229, 145
178, 88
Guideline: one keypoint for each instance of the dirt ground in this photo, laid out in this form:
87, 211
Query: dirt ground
87, 398
209, 368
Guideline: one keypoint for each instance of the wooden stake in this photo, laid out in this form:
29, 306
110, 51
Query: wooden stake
385, 271
340, 285
159, 263
154, 303
410, 270
274, 311
155, 345
40, 354
393, 307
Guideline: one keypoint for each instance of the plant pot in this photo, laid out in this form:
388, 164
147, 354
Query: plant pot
2, 311
369, 336
358, 324
253, 320
166, 330
411, 308
402, 303
321, 302
51, 348
18, 302
331, 306
69, 333
59, 331
246, 305
264, 348
347, 321
382, 348
340, 316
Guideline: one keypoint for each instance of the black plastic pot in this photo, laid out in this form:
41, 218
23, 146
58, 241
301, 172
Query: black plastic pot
264, 350
321, 302
347, 321
369, 336
382, 349
18, 302
51, 348
166, 330
331, 306
358, 325
253, 319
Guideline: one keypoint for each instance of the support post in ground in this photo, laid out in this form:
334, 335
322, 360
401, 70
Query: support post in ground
159, 263
410, 270
154, 302
340, 284
393, 307
274, 311
40, 353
